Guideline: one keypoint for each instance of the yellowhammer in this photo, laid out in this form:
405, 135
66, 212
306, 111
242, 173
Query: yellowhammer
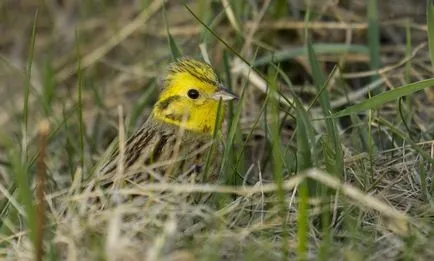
174, 139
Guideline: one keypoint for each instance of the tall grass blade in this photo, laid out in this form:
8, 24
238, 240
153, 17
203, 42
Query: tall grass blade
277, 161
408, 50
216, 35
80, 100
205, 12
384, 97
320, 83
304, 161
430, 24
234, 164
306, 157
19, 160
48, 90
230, 176
374, 39
27, 87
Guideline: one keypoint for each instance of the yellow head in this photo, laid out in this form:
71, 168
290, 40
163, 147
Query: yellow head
190, 96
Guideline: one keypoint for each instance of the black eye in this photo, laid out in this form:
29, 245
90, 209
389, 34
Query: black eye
193, 94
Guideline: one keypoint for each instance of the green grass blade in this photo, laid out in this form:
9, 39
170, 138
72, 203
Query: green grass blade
320, 83
19, 161
374, 39
217, 36
430, 24
362, 134
332, 153
219, 119
384, 97
206, 15
304, 131
277, 161
304, 161
303, 222
175, 52
235, 164
408, 50
80, 100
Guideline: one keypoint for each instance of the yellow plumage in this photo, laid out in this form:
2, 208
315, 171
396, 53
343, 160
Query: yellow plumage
174, 139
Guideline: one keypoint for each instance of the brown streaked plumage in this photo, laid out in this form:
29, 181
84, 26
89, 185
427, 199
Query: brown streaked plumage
151, 150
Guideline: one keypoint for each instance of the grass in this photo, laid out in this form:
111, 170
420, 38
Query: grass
315, 166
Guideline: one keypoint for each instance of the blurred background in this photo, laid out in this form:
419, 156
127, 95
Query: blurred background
74, 62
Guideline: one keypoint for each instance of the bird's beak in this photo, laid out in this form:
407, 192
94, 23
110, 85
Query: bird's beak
224, 94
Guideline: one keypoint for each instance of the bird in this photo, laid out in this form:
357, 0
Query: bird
174, 142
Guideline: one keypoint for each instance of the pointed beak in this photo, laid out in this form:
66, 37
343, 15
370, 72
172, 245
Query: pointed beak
224, 94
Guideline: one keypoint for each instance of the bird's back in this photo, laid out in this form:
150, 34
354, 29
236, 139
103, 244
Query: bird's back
160, 151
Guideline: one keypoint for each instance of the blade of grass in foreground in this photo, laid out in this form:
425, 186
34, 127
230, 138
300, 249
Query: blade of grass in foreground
430, 24
216, 35
234, 164
19, 158
229, 176
27, 87
306, 158
277, 159
303, 162
332, 149
384, 97
331, 144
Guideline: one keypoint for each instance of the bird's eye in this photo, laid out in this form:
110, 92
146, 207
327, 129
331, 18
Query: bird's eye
193, 94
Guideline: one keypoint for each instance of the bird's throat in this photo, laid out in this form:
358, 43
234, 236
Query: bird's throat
201, 123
